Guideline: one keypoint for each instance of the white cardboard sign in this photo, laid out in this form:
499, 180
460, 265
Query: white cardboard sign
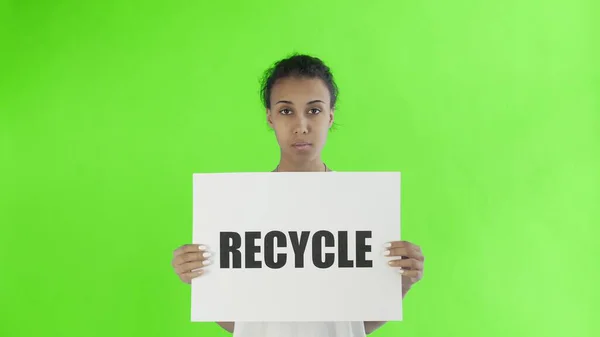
294, 247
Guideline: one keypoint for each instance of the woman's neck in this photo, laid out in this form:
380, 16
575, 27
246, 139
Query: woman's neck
316, 165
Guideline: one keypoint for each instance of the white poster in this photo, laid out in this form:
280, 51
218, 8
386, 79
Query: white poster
297, 246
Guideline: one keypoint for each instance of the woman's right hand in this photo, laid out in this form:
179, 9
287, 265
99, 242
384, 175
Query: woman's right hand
189, 261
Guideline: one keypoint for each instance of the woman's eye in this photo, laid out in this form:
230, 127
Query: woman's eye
315, 111
286, 111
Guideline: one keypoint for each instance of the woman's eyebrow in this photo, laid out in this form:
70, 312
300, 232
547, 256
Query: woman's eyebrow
311, 102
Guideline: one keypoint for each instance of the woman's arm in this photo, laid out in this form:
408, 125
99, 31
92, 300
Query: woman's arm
228, 326
372, 326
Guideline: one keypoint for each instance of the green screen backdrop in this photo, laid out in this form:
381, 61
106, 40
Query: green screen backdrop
490, 109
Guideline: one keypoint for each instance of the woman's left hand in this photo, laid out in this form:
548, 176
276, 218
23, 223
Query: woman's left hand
408, 259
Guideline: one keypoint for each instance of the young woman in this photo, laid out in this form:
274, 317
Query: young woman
299, 94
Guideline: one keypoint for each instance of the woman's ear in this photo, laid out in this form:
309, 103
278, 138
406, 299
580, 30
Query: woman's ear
331, 119
269, 118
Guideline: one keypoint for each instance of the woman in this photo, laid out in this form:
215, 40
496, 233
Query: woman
299, 94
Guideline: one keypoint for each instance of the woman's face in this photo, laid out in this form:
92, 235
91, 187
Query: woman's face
301, 116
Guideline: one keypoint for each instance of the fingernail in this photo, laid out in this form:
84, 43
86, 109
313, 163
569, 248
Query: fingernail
386, 253
387, 245
202, 247
207, 254
391, 263
206, 262
401, 271
199, 270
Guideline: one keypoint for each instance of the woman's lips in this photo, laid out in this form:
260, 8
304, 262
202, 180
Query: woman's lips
302, 145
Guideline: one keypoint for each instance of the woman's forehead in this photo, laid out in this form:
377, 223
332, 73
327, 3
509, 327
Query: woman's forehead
308, 89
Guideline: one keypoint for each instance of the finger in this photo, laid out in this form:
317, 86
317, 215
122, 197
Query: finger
407, 250
191, 266
402, 251
405, 253
408, 264
395, 244
191, 257
413, 275
190, 249
187, 277
402, 244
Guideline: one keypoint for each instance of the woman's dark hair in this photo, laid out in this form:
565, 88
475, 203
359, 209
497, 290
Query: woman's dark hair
300, 66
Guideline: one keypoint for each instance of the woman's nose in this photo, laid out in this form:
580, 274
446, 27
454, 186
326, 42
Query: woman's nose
301, 127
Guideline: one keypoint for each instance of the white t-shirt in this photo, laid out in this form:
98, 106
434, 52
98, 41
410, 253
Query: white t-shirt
299, 329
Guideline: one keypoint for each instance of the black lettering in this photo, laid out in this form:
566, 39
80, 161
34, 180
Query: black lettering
299, 245
270, 250
362, 248
318, 252
230, 244
343, 251
251, 249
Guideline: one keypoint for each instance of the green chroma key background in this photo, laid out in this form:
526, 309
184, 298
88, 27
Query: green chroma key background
490, 109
